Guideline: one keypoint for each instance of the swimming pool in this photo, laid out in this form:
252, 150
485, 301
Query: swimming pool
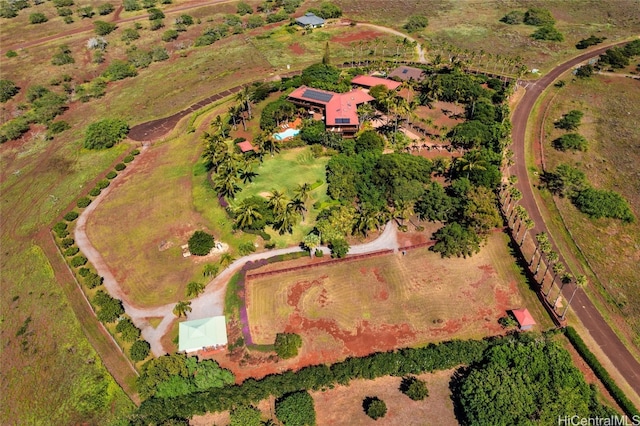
289, 133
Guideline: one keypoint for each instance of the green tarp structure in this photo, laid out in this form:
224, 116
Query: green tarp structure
202, 333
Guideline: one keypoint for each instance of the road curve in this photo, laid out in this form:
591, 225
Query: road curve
599, 329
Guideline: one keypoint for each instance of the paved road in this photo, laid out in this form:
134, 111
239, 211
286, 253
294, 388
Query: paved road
582, 306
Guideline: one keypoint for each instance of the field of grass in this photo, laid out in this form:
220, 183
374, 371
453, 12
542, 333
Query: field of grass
50, 371
475, 25
436, 298
611, 162
151, 211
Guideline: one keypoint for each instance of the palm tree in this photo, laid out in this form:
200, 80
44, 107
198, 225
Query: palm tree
234, 113
528, 224
181, 309
470, 163
523, 215
297, 205
247, 175
302, 192
194, 288
226, 184
246, 215
566, 279
545, 247
558, 268
225, 260
364, 221
210, 269
285, 220
581, 282
403, 210
244, 97
552, 258
277, 201
541, 238
221, 126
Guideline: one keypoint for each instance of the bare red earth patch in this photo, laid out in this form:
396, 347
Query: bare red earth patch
296, 48
361, 35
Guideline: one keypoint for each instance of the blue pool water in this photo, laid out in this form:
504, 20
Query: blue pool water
289, 133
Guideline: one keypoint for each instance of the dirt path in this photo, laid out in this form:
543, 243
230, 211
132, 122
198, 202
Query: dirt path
419, 50
604, 336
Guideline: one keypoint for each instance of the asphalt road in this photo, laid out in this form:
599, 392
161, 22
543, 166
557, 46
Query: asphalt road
599, 329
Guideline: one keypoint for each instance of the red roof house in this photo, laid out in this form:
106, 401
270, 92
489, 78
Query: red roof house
368, 81
524, 318
340, 110
246, 146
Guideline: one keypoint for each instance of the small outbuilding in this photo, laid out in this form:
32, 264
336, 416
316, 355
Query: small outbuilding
407, 73
310, 20
524, 318
246, 146
206, 333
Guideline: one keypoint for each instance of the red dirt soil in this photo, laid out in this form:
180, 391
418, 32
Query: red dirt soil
296, 48
361, 35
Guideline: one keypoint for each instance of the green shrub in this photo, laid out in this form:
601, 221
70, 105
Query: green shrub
105, 9
571, 142
83, 272
60, 226
319, 253
548, 33
139, 350
201, 243
71, 216
598, 203
245, 416
156, 24
131, 5
169, 35
111, 175
591, 41
120, 167
8, 90
110, 309
83, 202
128, 158
601, 372
159, 54
129, 332
14, 129
296, 409
11, 54
514, 17
95, 192
538, 17
414, 388
287, 345
119, 70
58, 127
103, 183
103, 28
78, 261
130, 34
67, 242
339, 248
374, 407
570, 120
105, 133
246, 248
416, 23
71, 251
135, 152
68, 20
37, 18
86, 12
92, 280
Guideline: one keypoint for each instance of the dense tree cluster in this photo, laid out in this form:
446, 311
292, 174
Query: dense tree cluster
105, 133
178, 375
524, 381
109, 309
297, 409
570, 120
619, 57
399, 363
287, 345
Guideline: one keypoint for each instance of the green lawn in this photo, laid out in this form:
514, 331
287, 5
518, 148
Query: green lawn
284, 172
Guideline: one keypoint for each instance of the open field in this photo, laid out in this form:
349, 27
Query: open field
145, 254
385, 301
611, 162
475, 25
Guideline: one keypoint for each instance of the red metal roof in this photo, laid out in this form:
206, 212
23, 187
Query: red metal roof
340, 108
370, 81
523, 316
245, 146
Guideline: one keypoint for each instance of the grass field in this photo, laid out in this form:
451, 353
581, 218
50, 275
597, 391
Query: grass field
419, 297
475, 25
611, 162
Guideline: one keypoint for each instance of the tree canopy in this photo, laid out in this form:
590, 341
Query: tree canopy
105, 133
296, 408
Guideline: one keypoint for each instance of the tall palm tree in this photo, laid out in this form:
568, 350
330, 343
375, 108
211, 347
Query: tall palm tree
210, 269
528, 224
566, 279
247, 175
285, 220
552, 258
581, 282
226, 259
246, 215
277, 201
302, 192
541, 238
545, 247
522, 214
226, 184
558, 268
194, 288
471, 163
297, 205
364, 221
244, 97
234, 113
181, 309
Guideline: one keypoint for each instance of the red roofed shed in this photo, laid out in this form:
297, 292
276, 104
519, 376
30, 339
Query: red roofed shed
246, 146
524, 318
369, 81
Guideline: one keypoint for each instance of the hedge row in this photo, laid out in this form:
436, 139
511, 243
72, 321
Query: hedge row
399, 363
602, 374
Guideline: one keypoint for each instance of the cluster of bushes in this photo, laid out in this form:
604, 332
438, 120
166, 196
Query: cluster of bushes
109, 308
398, 363
538, 17
596, 203
601, 372
287, 345
619, 57
105, 133
201, 243
588, 42
142, 58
